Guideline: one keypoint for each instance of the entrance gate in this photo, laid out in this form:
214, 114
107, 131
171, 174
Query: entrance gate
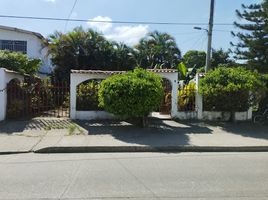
34, 98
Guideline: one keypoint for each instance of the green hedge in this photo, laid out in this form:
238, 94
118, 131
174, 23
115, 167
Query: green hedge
231, 89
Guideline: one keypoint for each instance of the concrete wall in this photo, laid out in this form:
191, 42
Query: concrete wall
5, 77
77, 78
186, 115
225, 116
34, 47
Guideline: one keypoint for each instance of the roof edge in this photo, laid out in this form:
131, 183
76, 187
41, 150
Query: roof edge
9, 28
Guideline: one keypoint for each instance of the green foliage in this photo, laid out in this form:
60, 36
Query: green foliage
264, 101
29, 97
186, 97
87, 50
87, 95
157, 49
221, 58
194, 58
182, 69
253, 40
18, 62
132, 94
231, 89
90, 50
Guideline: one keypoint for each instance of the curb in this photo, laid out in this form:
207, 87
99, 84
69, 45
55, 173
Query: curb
14, 152
128, 149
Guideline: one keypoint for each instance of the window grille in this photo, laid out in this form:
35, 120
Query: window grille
14, 45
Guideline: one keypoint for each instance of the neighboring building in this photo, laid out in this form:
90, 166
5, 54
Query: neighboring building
27, 42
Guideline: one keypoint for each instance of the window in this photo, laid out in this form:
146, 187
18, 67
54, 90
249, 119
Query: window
14, 45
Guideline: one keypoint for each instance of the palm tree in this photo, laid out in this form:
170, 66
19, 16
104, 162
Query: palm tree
79, 49
158, 49
124, 58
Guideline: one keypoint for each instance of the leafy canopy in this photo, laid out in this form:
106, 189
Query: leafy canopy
157, 50
132, 94
194, 58
88, 50
18, 62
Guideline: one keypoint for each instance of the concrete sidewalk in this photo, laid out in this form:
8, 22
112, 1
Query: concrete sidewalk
62, 135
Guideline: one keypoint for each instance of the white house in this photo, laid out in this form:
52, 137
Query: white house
28, 42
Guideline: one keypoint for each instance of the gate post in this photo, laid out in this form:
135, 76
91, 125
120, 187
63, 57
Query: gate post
72, 96
198, 99
174, 100
3, 95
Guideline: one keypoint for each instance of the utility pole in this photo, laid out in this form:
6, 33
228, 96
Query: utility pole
210, 28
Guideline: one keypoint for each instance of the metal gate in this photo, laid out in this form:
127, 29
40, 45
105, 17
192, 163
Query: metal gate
33, 98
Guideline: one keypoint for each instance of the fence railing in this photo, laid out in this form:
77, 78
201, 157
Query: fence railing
37, 98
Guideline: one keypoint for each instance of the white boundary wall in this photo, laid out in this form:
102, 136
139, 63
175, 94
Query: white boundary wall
5, 77
77, 78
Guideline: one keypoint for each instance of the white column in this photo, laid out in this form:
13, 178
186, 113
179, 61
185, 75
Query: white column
3, 95
198, 100
73, 96
174, 98
249, 113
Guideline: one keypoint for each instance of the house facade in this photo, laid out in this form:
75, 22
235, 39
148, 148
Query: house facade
27, 42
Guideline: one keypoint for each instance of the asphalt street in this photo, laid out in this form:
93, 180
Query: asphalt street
134, 176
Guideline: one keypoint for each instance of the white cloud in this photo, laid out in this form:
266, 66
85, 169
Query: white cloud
127, 34
50, 0
101, 26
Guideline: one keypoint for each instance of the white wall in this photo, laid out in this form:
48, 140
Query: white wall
77, 78
34, 46
5, 77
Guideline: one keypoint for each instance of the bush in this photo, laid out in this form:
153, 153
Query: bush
18, 62
132, 94
231, 89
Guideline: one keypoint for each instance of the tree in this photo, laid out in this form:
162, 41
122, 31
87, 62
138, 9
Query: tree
87, 50
221, 58
194, 58
19, 62
131, 95
253, 39
158, 50
124, 58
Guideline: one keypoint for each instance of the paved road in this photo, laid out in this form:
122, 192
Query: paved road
134, 176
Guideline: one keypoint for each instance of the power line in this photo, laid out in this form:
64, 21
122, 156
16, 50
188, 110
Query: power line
75, 1
113, 22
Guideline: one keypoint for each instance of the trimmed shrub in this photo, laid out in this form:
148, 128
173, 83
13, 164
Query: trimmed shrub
132, 94
231, 89
18, 62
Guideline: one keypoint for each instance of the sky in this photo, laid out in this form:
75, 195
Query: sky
186, 11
